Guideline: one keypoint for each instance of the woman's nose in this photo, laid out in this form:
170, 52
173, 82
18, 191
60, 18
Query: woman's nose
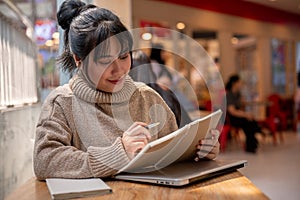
116, 66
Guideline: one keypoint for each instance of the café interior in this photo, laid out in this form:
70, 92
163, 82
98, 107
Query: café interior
205, 42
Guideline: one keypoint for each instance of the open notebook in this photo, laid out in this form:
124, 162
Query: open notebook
179, 145
169, 160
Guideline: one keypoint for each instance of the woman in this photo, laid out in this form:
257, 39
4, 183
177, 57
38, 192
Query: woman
237, 116
157, 58
94, 125
141, 71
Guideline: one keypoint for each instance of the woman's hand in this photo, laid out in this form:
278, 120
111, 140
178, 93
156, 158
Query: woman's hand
135, 138
209, 147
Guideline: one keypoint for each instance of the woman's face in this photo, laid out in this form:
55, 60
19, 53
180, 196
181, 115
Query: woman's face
109, 71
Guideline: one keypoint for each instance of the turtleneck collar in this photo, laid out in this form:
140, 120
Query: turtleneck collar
80, 87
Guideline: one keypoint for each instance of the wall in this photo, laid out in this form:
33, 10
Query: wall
17, 129
122, 8
225, 25
197, 18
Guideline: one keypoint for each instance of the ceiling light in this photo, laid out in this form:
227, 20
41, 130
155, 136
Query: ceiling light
180, 25
146, 36
55, 35
49, 43
234, 40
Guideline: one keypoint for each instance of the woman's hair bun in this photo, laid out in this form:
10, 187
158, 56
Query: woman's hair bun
68, 10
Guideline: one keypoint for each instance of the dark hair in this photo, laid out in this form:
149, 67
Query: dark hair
141, 69
156, 53
233, 79
86, 26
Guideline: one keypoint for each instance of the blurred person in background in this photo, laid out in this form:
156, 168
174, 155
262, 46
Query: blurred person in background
166, 76
157, 58
141, 71
237, 116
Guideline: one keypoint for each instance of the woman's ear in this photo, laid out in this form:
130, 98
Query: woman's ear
77, 60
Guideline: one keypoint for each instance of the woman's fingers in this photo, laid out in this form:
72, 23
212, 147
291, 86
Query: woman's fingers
134, 148
135, 124
134, 144
208, 151
213, 135
210, 156
208, 147
139, 130
135, 138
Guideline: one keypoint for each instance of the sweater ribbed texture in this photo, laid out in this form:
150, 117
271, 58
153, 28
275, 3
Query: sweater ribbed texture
81, 89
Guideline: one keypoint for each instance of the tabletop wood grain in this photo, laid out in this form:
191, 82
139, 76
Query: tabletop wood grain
228, 186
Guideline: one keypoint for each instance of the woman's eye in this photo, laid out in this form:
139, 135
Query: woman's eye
124, 56
104, 61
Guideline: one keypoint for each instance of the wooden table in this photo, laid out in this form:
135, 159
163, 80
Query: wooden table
229, 186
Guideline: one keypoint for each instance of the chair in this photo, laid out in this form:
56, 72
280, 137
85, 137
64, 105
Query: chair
288, 106
276, 119
226, 129
274, 109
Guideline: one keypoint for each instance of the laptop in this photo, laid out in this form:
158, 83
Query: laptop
185, 172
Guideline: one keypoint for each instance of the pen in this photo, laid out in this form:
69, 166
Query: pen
152, 125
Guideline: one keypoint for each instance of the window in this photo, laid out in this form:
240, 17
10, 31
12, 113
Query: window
18, 84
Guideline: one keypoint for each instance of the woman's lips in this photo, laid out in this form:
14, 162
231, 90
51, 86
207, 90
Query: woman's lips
116, 81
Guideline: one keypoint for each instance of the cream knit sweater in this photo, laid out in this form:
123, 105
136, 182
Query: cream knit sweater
79, 131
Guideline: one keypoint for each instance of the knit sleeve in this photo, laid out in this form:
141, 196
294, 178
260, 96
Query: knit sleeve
107, 161
56, 156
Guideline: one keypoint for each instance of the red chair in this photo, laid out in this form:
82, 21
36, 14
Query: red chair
226, 129
274, 110
276, 119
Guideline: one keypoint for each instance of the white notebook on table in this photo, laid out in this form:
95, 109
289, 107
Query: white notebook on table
61, 188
